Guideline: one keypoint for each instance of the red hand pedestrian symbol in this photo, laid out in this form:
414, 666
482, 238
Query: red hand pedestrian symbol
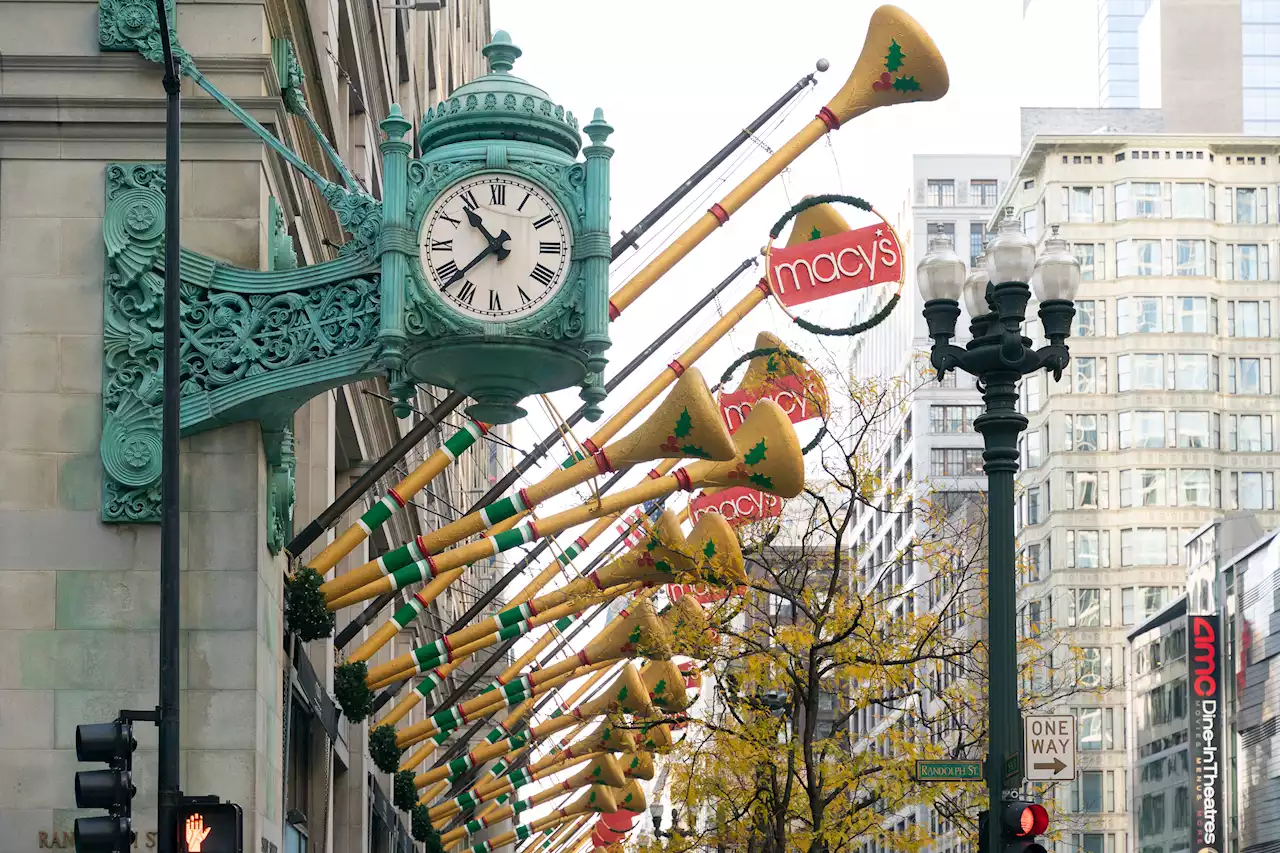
197, 832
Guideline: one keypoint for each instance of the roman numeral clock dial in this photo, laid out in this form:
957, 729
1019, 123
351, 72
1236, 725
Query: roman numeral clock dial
495, 247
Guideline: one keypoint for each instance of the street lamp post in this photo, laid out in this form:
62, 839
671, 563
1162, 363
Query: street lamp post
998, 356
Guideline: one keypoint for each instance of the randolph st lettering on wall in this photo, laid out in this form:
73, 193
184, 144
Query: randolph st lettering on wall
65, 840
1205, 734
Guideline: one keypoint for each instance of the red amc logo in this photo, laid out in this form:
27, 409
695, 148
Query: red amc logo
1204, 660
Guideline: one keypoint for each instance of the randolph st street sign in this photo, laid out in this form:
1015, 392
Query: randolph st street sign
952, 770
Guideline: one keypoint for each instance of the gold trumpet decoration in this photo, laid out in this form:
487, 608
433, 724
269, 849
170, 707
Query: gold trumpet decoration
768, 458
685, 425
596, 800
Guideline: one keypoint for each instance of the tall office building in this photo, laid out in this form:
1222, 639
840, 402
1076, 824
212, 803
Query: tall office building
1199, 66
1164, 420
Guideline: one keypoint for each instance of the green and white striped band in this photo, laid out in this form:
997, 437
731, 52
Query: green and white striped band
513, 538
466, 800
427, 684
461, 440
502, 509
568, 555
407, 613
448, 717
563, 622
523, 831
520, 777
512, 615
519, 806
377, 515
516, 630
460, 764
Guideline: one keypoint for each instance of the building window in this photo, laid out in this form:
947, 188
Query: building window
1033, 392
1085, 490
1035, 560
1085, 608
1093, 666
1248, 376
1193, 487
1091, 375
1149, 485
956, 461
1127, 606
1086, 433
1195, 372
1190, 258
983, 193
1189, 201
298, 758
1137, 257
1086, 549
1246, 262
1140, 372
1250, 490
1250, 205
977, 240
1139, 315
1030, 223
1249, 433
1138, 200
1248, 319
1196, 315
1091, 318
1033, 447
1193, 430
1083, 204
1090, 256
1144, 546
952, 420
1141, 429
942, 193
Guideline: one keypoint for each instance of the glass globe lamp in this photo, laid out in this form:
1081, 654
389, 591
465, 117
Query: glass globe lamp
1011, 255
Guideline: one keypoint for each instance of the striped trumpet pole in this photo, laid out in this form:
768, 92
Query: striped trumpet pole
768, 458
686, 424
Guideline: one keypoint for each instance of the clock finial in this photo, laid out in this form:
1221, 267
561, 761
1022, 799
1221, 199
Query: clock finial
501, 53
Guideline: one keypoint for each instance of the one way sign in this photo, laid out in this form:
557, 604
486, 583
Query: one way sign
1050, 748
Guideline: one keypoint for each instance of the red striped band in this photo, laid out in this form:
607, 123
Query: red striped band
580, 543
395, 496
524, 498
501, 680
721, 215
533, 611
603, 465
421, 600
763, 285
448, 646
484, 428
422, 545
830, 119
655, 474
676, 367
533, 528
614, 312
682, 477
582, 656
431, 564
594, 577
590, 446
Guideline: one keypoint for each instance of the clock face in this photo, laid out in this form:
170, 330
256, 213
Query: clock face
495, 247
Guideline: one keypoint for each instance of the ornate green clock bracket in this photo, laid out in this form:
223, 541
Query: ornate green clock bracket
256, 345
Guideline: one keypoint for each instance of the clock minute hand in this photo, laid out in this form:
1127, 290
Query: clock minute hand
495, 243
488, 250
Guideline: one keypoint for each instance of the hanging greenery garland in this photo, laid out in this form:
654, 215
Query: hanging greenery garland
383, 750
405, 795
305, 613
352, 691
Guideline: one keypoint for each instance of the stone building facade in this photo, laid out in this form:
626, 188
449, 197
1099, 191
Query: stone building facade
79, 597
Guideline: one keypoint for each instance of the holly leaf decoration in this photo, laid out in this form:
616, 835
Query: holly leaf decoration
762, 481
895, 58
635, 762
906, 84
694, 451
755, 455
622, 694
660, 686
634, 638
771, 366
663, 566
709, 550
684, 423
815, 234
597, 771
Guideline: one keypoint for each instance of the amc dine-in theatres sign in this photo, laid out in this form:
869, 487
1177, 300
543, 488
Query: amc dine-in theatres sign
837, 264
1205, 735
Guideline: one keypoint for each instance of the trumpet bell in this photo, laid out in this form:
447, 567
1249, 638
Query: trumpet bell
691, 634
899, 64
655, 738
604, 769
609, 737
665, 685
715, 547
657, 559
687, 424
763, 369
639, 632
631, 798
822, 218
637, 765
626, 694
769, 457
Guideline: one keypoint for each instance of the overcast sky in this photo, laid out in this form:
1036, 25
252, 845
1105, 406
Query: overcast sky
678, 78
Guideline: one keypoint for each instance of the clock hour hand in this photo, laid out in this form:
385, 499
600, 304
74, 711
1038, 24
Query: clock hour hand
495, 243
486, 252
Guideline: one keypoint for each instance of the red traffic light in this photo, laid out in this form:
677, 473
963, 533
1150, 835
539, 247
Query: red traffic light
1026, 820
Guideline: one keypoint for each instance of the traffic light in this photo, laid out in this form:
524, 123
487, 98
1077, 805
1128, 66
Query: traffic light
113, 744
1024, 821
206, 825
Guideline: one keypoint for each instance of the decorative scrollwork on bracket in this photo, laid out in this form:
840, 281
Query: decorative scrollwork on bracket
281, 465
132, 25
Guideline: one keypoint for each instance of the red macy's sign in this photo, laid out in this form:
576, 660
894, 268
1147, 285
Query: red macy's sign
738, 505
837, 264
799, 400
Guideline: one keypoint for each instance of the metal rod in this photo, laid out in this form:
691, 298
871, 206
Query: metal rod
385, 463
530, 459
629, 237
169, 795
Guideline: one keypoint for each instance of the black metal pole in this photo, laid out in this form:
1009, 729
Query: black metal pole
170, 517
629, 237
530, 459
331, 513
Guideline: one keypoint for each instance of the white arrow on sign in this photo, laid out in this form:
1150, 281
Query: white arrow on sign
1049, 744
